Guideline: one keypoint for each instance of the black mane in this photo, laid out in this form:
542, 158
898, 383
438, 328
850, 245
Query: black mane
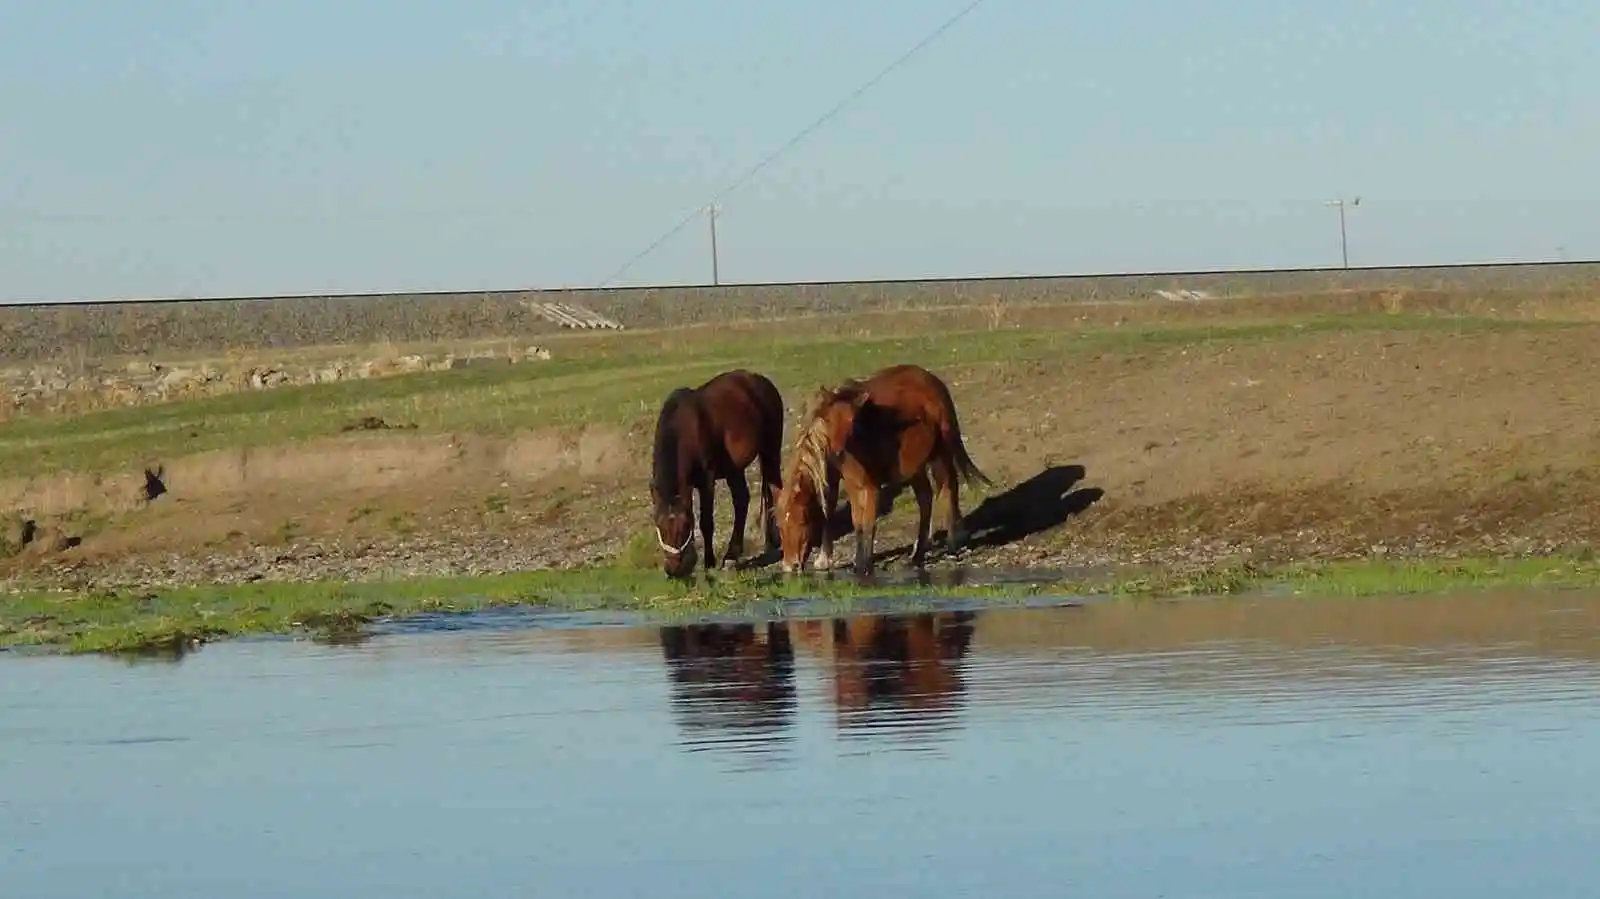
664, 472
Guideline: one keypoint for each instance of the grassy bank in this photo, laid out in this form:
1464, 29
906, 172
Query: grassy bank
612, 380
131, 622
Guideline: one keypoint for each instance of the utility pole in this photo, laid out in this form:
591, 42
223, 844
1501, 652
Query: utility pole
1344, 243
711, 216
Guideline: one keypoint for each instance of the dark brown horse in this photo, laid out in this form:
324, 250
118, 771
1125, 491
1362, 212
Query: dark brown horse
731, 680
897, 427
708, 434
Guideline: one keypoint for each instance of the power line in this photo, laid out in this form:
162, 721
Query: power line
802, 135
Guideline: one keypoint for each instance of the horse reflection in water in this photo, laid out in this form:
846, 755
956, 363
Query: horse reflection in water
894, 671
732, 685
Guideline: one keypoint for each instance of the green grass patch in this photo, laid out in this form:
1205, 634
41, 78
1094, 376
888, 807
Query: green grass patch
129, 621
614, 381
1368, 578
118, 621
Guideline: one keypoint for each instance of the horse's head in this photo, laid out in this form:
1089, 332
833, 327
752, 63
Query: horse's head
800, 512
799, 522
674, 528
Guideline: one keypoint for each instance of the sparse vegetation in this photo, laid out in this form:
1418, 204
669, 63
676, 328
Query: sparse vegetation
1369, 577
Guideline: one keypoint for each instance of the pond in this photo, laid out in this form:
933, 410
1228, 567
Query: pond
1415, 747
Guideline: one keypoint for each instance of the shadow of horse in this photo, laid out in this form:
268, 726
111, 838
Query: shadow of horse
1044, 501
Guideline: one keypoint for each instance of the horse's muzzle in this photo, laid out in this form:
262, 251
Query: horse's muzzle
678, 565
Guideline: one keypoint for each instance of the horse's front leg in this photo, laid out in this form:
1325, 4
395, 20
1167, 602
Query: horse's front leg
864, 514
830, 502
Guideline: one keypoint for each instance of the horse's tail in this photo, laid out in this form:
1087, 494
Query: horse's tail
967, 468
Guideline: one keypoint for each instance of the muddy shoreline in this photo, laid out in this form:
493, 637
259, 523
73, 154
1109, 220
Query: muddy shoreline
484, 553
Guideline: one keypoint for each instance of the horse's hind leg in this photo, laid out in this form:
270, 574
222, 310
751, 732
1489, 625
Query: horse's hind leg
947, 481
771, 486
923, 489
739, 489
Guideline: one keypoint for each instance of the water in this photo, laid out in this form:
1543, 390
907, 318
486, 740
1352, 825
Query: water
1230, 748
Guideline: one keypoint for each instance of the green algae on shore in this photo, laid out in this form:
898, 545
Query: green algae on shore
112, 621
132, 621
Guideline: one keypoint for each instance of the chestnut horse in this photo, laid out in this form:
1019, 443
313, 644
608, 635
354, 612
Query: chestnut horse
708, 434
909, 660
899, 426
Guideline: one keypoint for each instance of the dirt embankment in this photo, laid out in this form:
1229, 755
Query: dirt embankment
70, 333
1324, 445
87, 385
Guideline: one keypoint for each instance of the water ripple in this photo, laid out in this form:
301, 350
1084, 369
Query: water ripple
1224, 748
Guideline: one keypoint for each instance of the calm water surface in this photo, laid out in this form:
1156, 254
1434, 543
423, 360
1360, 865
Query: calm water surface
1398, 748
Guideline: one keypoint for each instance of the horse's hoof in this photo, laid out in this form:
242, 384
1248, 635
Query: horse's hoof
730, 562
957, 542
823, 563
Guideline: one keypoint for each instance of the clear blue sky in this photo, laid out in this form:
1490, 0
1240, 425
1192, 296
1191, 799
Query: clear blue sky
204, 147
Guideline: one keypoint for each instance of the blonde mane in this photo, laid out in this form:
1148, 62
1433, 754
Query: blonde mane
811, 454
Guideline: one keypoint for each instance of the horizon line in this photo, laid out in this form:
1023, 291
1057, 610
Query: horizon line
725, 285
